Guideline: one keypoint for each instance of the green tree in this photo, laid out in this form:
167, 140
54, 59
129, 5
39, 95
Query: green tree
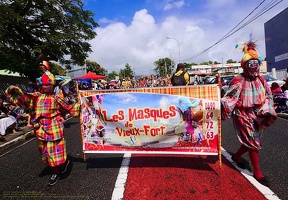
207, 63
94, 67
164, 66
188, 66
33, 30
112, 76
57, 69
126, 72
231, 61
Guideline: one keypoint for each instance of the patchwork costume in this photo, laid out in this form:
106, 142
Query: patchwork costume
49, 126
250, 102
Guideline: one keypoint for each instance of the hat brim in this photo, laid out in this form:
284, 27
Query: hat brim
64, 82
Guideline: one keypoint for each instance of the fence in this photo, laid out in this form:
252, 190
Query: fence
6, 81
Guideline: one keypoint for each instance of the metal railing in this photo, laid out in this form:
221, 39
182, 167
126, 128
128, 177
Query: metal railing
6, 81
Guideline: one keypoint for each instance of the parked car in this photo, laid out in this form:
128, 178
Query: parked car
267, 77
271, 79
210, 80
225, 80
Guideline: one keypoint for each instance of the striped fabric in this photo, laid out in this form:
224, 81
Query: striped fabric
211, 92
50, 134
47, 111
53, 153
244, 101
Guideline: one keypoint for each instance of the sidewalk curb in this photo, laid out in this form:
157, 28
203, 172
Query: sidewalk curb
20, 138
23, 137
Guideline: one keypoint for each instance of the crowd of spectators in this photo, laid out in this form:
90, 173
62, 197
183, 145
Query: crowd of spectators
126, 83
13, 116
280, 96
7, 117
142, 82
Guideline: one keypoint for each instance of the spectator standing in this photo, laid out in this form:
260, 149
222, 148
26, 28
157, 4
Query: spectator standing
180, 77
142, 82
275, 88
284, 87
168, 81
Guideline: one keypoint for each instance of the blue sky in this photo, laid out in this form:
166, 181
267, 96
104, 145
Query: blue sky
134, 31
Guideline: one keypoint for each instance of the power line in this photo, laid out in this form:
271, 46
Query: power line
268, 7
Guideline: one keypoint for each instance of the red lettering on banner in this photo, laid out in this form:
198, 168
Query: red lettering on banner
104, 113
210, 135
114, 118
209, 115
210, 106
154, 131
209, 125
127, 132
151, 113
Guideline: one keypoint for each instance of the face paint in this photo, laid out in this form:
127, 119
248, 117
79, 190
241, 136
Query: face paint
252, 68
47, 89
253, 65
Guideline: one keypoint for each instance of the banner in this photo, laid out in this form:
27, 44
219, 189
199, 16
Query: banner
182, 120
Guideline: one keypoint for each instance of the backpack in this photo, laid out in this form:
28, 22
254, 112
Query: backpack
178, 80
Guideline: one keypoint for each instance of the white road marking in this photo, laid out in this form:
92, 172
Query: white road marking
269, 194
118, 192
119, 189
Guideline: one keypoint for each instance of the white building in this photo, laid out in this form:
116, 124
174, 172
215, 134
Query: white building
231, 68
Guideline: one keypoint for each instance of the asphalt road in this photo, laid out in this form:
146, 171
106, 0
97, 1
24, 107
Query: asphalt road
273, 156
24, 177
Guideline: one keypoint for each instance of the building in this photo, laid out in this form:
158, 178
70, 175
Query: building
76, 71
276, 41
229, 68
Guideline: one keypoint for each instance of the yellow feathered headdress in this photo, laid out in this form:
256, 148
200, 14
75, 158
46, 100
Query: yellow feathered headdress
250, 52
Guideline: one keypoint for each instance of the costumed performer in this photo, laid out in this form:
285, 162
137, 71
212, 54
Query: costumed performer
249, 101
49, 126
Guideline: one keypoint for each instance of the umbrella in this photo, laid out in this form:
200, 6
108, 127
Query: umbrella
103, 81
92, 76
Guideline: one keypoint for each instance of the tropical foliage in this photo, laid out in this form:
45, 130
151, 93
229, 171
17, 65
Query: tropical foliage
33, 30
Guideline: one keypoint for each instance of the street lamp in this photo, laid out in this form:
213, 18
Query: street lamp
168, 37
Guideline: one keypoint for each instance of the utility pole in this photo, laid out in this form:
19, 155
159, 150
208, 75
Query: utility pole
168, 37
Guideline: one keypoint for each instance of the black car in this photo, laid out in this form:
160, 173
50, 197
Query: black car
210, 80
225, 80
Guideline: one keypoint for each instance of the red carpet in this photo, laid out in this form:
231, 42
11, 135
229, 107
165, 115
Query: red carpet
186, 177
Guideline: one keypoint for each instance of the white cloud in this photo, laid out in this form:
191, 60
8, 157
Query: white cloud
143, 41
125, 98
170, 4
106, 21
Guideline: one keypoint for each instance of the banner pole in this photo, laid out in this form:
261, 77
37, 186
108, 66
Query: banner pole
80, 118
219, 122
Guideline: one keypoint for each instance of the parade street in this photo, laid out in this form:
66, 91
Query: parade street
24, 177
